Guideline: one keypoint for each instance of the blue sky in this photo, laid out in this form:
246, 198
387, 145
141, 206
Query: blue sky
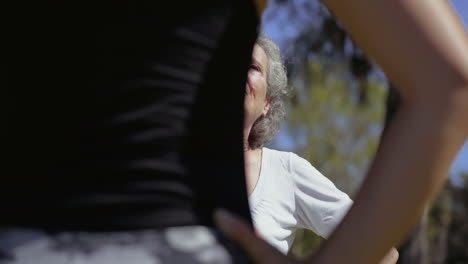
462, 8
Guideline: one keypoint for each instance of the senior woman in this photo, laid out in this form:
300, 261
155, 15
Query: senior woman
285, 191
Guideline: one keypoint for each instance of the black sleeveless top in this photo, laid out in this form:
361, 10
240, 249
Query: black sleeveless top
123, 115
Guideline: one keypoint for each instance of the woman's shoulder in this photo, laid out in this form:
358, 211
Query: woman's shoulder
287, 160
300, 169
290, 157
277, 158
277, 153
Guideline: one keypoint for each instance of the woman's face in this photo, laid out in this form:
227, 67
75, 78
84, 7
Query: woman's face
255, 103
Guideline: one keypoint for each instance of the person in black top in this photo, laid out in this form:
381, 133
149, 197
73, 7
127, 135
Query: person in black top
114, 117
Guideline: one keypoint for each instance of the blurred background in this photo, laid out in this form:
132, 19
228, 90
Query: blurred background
339, 109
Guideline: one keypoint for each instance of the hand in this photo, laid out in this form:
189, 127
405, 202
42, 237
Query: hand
239, 231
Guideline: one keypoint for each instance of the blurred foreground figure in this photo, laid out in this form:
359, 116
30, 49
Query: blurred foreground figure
113, 117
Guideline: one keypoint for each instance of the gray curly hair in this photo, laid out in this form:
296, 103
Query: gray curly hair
266, 127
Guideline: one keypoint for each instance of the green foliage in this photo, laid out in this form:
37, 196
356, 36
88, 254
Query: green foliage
333, 129
341, 132
305, 244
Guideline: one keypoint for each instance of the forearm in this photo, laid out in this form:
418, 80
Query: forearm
423, 49
409, 168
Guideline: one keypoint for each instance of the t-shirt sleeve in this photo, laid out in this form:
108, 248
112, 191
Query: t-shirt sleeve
320, 206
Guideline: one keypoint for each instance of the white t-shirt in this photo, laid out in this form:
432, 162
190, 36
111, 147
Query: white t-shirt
291, 194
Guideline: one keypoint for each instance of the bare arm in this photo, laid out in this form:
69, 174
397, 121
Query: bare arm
422, 47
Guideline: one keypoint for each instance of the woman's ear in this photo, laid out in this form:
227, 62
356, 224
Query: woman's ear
266, 108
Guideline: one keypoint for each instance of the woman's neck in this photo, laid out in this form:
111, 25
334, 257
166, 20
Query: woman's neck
246, 133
